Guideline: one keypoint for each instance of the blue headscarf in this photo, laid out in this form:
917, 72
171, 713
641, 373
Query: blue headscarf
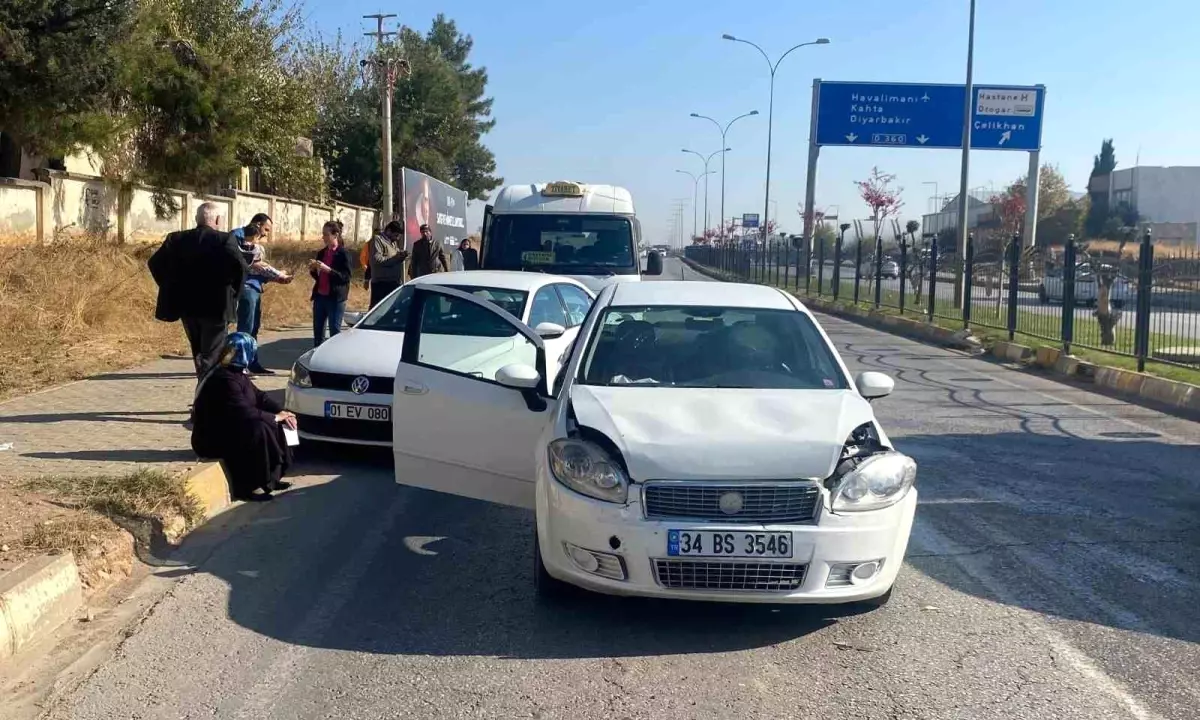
245, 349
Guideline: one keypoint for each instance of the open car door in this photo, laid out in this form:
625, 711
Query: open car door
457, 428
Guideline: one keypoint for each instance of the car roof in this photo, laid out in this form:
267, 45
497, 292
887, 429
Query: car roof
700, 293
596, 198
505, 279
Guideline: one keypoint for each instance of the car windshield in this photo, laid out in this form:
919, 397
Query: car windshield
392, 312
561, 244
710, 347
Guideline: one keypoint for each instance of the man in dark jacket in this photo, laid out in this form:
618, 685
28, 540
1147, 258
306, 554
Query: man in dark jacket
427, 255
199, 273
386, 265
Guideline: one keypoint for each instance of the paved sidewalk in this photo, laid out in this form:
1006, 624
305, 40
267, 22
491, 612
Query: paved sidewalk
119, 421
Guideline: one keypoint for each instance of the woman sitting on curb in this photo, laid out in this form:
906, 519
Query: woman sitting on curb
241, 425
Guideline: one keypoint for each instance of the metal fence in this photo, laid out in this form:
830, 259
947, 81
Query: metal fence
1054, 294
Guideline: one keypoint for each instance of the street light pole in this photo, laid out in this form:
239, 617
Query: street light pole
724, 131
695, 187
386, 75
961, 240
773, 66
705, 176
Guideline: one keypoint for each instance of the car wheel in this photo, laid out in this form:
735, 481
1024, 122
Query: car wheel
1043, 298
547, 586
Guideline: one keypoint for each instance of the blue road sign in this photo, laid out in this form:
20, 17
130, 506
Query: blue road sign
750, 220
928, 116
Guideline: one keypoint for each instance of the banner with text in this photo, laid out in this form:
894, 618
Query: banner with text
434, 203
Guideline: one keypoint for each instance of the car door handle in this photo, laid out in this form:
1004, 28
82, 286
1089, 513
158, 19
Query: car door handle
415, 389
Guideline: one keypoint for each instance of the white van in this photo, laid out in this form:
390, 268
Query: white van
587, 232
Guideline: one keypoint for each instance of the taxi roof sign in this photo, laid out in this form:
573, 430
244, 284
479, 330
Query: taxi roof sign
563, 189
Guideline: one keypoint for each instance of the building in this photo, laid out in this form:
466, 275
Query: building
980, 213
1166, 199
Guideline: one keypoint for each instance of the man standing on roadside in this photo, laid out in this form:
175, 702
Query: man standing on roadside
386, 264
249, 305
199, 273
427, 256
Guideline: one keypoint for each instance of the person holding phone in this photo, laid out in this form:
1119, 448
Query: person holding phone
330, 270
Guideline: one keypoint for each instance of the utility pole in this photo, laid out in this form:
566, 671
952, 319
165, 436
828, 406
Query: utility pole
385, 74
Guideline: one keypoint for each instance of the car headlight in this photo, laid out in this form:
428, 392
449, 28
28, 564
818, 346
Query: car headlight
877, 482
300, 376
587, 469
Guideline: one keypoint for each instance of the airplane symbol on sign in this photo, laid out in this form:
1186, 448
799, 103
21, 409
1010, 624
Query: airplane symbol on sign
851, 137
925, 97
1005, 136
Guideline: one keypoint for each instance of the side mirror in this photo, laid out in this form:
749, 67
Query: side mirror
654, 265
872, 385
518, 376
549, 330
351, 319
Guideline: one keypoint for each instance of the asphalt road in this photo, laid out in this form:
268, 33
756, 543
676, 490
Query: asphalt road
1052, 574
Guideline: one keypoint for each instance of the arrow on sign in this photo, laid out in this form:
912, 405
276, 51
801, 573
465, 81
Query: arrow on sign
851, 137
922, 139
1005, 136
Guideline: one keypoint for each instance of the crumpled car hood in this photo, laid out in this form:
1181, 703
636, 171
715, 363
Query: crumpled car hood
723, 434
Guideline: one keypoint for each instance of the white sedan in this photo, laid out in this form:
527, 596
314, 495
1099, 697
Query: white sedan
342, 391
704, 441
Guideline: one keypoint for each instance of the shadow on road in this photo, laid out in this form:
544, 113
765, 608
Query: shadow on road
374, 567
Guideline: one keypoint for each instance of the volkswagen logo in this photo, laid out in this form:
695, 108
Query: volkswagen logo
362, 383
730, 503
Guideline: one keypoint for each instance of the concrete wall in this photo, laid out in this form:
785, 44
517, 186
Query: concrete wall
71, 205
1160, 194
289, 221
20, 206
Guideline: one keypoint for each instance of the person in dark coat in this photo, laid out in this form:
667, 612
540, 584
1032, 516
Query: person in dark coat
199, 273
470, 257
427, 256
241, 425
330, 270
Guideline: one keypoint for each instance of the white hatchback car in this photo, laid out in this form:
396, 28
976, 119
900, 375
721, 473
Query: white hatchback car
342, 391
704, 441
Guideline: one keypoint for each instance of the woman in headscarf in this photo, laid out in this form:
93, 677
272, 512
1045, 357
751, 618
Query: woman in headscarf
241, 425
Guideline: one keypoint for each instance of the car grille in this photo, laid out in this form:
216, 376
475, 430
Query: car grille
367, 430
338, 381
699, 575
783, 502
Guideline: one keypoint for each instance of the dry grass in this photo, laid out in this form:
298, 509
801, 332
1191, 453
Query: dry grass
74, 534
143, 494
82, 307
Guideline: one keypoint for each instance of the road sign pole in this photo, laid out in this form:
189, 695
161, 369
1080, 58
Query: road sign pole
964, 177
1031, 198
814, 150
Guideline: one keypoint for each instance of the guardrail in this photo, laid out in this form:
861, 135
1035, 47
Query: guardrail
1153, 292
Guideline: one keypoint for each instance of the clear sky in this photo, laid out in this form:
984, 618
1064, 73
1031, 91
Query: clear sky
601, 91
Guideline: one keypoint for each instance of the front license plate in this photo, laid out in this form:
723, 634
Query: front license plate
348, 411
708, 543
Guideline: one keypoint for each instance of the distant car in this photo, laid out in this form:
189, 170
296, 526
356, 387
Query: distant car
1087, 291
888, 268
342, 391
704, 441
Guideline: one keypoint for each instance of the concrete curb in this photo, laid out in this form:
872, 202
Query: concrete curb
1130, 385
36, 598
41, 594
207, 483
